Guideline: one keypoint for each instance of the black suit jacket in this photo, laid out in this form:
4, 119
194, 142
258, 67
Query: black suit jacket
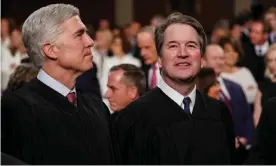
155, 130
40, 126
265, 150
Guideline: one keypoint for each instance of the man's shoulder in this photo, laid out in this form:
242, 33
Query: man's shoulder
142, 107
270, 106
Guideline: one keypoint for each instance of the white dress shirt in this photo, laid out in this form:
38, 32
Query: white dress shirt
158, 75
54, 84
176, 96
223, 88
264, 48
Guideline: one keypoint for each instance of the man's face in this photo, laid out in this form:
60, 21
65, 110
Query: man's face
214, 58
257, 35
74, 46
271, 19
147, 48
4, 27
118, 93
16, 38
181, 57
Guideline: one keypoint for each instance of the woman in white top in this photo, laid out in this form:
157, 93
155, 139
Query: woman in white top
240, 75
120, 49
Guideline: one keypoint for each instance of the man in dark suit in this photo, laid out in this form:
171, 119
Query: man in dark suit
49, 121
233, 96
264, 151
174, 123
146, 45
255, 49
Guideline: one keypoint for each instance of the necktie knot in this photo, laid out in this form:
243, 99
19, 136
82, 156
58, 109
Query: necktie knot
186, 102
72, 97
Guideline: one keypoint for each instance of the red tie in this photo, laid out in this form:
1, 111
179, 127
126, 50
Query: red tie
153, 77
227, 101
72, 97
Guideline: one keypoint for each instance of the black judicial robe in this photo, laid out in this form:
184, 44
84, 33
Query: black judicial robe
155, 130
40, 126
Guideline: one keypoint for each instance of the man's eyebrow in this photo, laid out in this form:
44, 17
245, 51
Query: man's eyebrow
192, 42
80, 31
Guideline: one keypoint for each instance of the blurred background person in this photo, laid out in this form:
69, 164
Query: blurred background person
268, 87
256, 49
103, 39
156, 20
221, 29
146, 44
5, 29
11, 57
233, 96
206, 82
104, 25
240, 75
120, 50
126, 83
23, 74
270, 17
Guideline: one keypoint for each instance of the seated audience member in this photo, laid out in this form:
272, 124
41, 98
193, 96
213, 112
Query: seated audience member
268, 87
239, 75
125, 84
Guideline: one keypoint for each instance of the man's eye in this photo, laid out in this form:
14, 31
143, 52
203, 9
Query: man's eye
173, 46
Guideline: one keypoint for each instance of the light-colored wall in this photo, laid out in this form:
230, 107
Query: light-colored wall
123, 11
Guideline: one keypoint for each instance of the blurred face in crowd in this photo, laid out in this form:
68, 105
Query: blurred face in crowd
214, 58
4, 27
236, 32
271, 19
134, 28
72, 50
102, 40
16, 39
217, 34
118, 93
104, 24
147, 48
181, 57
214, 91
231, 56
257, 35
271, 61
116, 46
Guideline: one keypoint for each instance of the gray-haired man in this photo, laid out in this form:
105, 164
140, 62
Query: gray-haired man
48, 121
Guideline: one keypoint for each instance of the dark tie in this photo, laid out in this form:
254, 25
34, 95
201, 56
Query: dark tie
72, 97
186, 102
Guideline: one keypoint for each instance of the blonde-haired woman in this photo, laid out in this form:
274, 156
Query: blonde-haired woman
268, 87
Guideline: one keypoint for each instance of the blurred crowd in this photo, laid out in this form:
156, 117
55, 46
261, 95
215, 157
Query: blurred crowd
239, 66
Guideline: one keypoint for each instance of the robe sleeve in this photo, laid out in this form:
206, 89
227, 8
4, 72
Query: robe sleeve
20, 136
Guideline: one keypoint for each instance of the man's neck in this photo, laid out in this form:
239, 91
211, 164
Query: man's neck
67, 78
183, 88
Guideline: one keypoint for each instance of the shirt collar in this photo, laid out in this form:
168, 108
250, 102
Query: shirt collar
54, 84
176, 96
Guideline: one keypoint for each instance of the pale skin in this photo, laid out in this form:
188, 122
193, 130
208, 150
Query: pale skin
181, 57
70, 55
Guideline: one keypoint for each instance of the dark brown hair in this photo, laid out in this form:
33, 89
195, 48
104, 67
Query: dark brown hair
176, 18
133, 76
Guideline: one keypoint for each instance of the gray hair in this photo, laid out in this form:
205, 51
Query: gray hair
44, 25
147, 29
176, 18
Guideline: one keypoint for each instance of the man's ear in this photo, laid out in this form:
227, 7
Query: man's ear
50, 51
159, 62
133, 92
203, 62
